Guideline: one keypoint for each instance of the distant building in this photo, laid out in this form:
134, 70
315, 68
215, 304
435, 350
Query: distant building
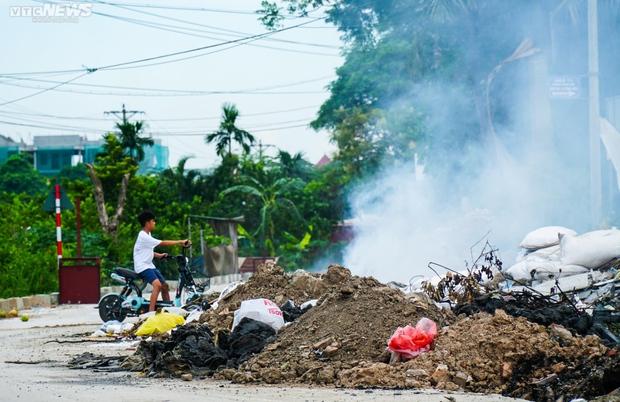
324, 161
9, 147
52, 153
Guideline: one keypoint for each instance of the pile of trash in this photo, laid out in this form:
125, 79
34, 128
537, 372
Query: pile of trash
501, 354
272, 283
481, 331
195, 350
552, 254
243, 318
574, 273
350, 324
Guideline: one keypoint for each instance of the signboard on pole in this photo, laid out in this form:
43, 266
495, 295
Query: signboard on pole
50, 202
566, 87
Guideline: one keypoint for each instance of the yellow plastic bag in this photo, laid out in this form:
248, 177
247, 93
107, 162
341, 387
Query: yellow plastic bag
160, 323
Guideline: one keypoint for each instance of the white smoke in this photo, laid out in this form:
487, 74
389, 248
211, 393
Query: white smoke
405, 220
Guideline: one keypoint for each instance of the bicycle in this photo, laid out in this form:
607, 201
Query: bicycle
130, 302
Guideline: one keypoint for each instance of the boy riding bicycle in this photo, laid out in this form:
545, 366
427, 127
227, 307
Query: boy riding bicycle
143, 255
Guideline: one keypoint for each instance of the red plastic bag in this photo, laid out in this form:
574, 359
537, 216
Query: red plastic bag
408, 342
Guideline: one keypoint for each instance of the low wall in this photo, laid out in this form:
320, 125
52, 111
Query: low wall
50, 300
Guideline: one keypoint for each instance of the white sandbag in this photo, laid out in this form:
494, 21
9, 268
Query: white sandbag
558, 270
519, 272
527, 270
262, 310
545, 237
544, 254
591, 249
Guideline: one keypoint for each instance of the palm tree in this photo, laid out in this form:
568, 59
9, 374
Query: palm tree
183, 182
229, 132
273, 203
294, 165
129, 134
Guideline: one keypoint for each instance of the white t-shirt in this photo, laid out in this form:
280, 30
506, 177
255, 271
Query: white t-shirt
143, 252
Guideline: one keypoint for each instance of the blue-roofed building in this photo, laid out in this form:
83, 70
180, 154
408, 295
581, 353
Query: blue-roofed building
52, 153
9, 147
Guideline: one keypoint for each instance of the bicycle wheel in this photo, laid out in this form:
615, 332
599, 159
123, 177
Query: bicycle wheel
110, 308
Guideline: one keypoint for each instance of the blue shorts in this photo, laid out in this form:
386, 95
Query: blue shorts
149, 275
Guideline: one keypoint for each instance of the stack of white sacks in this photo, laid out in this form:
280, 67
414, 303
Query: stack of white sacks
553, 252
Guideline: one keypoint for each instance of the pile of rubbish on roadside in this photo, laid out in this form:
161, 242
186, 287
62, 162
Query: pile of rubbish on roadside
13, 314
555, 259
487, 329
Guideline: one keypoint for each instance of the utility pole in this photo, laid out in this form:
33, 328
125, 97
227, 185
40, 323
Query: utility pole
124, 113
594, 114
261, 147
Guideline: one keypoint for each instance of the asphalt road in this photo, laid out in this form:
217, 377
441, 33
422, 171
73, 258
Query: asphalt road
34, 356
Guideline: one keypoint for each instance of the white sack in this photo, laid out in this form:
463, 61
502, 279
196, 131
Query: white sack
262, 310
591, 249
545, 237
544, 254
557, 270
542, 270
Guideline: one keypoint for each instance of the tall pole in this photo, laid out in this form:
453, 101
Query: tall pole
123, 112
78, 227
189, 234
594, 114
58, 223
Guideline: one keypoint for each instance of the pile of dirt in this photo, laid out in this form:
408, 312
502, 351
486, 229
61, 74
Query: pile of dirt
502, 354
342, 342
539, 309
271, 282
350, 324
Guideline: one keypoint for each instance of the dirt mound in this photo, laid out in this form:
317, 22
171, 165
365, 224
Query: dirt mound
502, 354
342, 342
271, 282
350, 324
535, 308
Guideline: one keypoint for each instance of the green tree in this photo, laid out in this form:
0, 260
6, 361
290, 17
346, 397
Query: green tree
399, 54
181, 181
294, 165
229, 132
28, 254
110, 176
273, 204
129, 134
17, 175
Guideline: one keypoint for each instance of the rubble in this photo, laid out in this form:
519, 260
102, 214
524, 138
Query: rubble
350, 324
520, 344
269, 282
194, 349
88, 360
500, 354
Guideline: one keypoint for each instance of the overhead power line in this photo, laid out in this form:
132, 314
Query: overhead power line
44, 90
203, 118
195, 133
163, 7
170, 90
184, 31
131, 63
160, 94
276, 126
225, 31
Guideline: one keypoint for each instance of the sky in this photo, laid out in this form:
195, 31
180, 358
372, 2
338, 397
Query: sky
287, 81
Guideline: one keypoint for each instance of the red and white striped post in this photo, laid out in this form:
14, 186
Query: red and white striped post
58, 223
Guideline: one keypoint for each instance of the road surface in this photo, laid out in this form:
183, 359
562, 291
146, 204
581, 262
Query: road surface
34, 368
